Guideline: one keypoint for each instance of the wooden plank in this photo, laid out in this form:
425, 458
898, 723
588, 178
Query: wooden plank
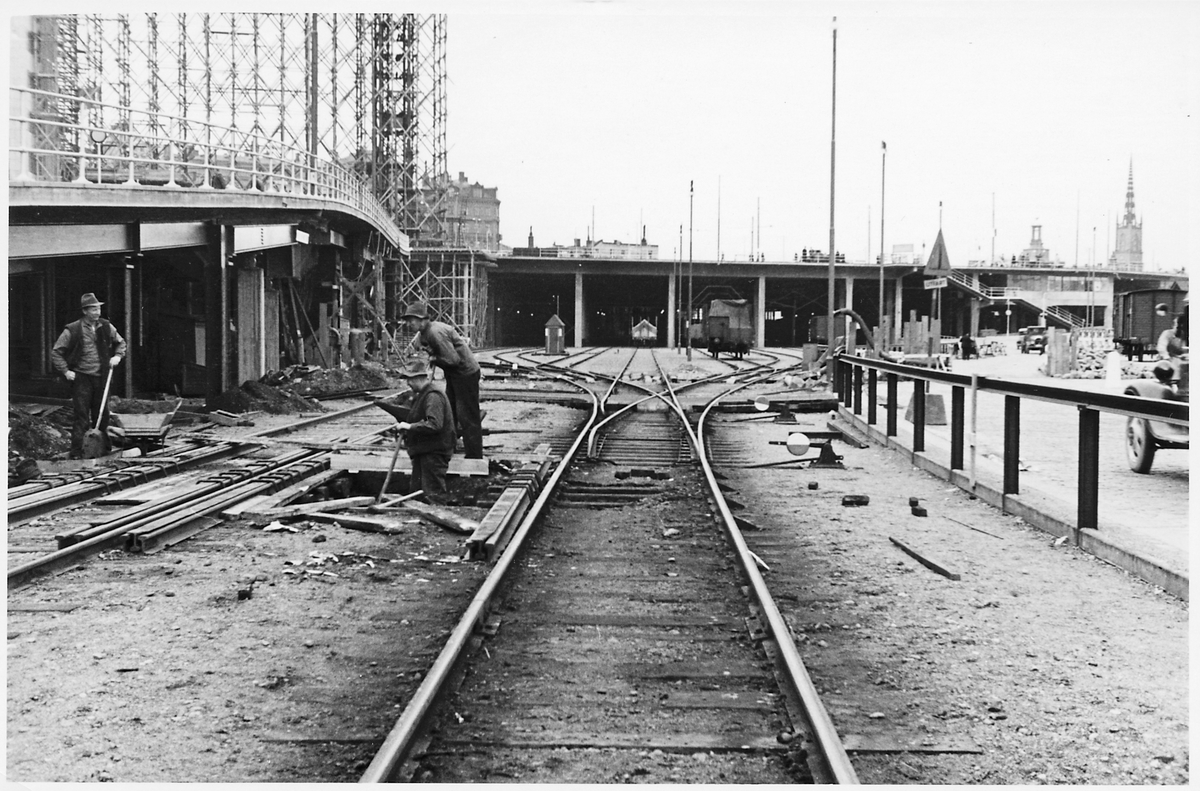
370, 524
51, 607
318, 738
927, 562
310, 508
849, 435
667, 742
380, 462
286, 495
746, 701
443, 516
904, 743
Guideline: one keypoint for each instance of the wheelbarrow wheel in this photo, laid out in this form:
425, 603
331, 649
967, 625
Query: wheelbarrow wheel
1139, 445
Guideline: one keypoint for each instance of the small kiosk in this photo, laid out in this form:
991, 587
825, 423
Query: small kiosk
554, 335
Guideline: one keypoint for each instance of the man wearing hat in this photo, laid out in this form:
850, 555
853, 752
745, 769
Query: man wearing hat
84, 354
448, 351
430, 433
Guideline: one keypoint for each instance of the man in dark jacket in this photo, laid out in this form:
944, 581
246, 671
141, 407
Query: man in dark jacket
448, 351
85, 353
430, 433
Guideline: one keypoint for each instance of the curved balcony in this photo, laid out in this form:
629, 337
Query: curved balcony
53, 144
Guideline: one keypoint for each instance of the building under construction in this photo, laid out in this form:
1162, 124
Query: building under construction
243, 191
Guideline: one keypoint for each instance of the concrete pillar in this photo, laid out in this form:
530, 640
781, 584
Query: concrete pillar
216, 320
671, 312
898, 305
848, 325
580, 316
760, 313
975, 317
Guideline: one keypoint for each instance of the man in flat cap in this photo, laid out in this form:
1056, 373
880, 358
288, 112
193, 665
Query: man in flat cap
430, 433
85, 353
448, 351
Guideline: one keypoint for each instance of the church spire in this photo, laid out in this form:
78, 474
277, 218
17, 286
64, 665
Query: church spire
1129, 217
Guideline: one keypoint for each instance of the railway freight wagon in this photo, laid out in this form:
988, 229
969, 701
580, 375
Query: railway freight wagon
728, 326
1136, 322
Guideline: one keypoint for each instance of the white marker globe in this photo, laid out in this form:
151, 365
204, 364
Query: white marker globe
798, 444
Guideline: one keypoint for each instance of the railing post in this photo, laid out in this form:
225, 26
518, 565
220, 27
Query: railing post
858, 389
918, 402
893, 395
1089, 469
847, 383
1012, 444
834, 367
872, 395
957, 420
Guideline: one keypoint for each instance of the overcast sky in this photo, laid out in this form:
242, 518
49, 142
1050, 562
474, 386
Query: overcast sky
1037, 108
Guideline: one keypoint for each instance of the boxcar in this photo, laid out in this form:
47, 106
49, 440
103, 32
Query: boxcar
1136, 323
728, 327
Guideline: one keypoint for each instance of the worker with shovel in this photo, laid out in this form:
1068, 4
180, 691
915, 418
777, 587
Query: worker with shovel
85, 354
429, 433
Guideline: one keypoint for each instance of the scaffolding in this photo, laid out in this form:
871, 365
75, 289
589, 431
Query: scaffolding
365, 90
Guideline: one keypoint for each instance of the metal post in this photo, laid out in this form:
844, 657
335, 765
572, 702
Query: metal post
880, 340
918, 402
858, 389
893, 396
1012, 444
974, 416
691, 202
957, 419
1089, 469
832, 150
872, 396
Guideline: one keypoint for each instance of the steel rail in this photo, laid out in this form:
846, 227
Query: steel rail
411, 724
187, 506
824, 733
22, 509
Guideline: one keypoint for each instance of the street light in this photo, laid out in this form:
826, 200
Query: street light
882, 193
691, 203
832, 160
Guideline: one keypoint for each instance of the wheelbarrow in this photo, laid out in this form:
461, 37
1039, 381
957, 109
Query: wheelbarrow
144, 431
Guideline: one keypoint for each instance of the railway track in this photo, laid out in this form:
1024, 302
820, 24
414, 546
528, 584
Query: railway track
171, 501
627, 636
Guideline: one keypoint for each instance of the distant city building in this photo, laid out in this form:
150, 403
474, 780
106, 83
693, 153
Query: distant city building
472, 213
592, 249
1128, 255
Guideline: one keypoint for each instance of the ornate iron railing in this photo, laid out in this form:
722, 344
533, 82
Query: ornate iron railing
61, 139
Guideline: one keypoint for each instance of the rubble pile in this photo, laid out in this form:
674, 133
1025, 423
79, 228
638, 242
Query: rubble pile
254, 396
312, 380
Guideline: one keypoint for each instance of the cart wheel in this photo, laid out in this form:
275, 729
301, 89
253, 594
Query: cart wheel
1139, 445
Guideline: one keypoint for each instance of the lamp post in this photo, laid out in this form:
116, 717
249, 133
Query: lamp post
832, 160
691, 203
882, 193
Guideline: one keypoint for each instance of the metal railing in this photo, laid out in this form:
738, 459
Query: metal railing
848, 384
62, 139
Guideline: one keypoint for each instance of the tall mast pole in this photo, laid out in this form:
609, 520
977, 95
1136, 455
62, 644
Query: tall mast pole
832, 152
691, 204
882, 194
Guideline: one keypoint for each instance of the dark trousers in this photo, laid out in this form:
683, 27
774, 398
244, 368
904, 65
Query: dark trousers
463, 392
429, 473
87, 394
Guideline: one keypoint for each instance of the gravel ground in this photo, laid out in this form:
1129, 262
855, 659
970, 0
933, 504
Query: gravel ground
1055, 667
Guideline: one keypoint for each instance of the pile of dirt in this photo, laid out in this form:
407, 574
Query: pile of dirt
330, 381
38, 436
258, 397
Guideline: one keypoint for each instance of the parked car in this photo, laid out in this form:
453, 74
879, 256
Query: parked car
1032, 339
1143, 438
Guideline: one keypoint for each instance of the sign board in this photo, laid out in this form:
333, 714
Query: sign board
937, 282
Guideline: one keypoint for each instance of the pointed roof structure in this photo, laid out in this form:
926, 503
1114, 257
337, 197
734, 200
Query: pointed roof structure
938, 263
1130, 217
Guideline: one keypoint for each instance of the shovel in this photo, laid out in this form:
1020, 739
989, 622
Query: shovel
388, 479
94, 439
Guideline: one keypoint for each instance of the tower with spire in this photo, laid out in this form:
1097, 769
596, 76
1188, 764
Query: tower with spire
1127, 257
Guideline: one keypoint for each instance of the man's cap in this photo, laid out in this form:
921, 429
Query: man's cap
416, 368
417, 310
89, 300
